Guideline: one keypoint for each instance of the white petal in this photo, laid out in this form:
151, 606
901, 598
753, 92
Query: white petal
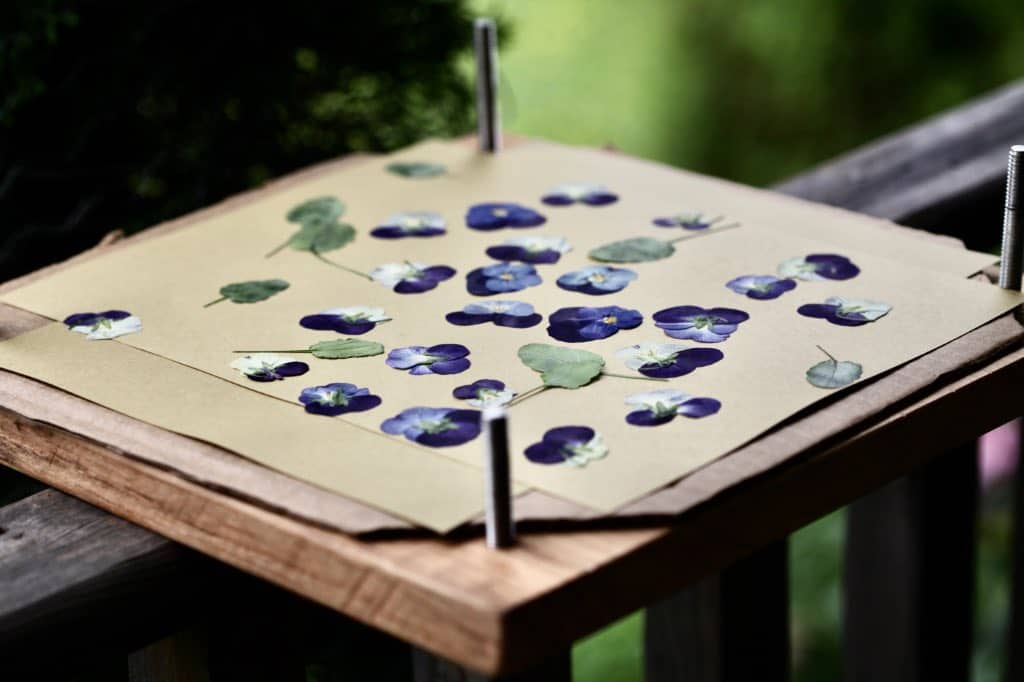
390, 274
640, 354
667, 397
255, 362
365, 312
800, 269
589, 451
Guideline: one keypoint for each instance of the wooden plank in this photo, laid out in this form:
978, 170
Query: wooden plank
496, 612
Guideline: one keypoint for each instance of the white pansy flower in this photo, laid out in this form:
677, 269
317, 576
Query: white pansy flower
102, 326
353, 313
647, 353
858, 308
390, 274
582, 453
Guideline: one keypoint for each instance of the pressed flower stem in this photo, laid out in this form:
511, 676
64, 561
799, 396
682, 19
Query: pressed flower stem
277, 249
222, 298
304, 350
340, 266
704, 233
630, 376
536, 390
830, 356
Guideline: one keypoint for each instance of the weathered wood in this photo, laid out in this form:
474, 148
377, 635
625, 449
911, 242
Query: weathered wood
69, 575
731, 627
908, 605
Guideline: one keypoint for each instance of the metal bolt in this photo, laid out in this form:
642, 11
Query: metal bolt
488, 119
1012, 252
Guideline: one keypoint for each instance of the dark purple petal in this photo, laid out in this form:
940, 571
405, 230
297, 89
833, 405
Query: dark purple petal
600, 198
81, 319
828, 312
679, 313
449, 351
570, 333
359, 403
388, 232
833, 266
481, 217
414, 286
665, 222
506, 252
596, 330
557, 199
450, 366
574, 315
569, 435
524, 217
730, 315
465, 319
114, 314
699, 407
291, 369
542, 453
438, 273
262, 376
648, 418
626, 318
517, 321
685, 362
470, 391
774, 290
467, 427
336, 323
476, 283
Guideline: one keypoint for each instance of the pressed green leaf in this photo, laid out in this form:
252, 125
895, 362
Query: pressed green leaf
636, 250
322, 209
340, 349
322, 237
834, 374
561, 367
251, 292
416, 169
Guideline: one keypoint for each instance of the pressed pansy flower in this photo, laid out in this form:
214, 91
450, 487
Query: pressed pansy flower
269, 366
576, 445
409, 277
444, 358
494, 216
667, 360
661, 407
848, 312
592, 195
357, 319
434, 426
109, 324
761, 287
596, 280
410, 224
688, 220
538, 249
819, 266
485, 393
501, 278
588, 324
331, 400
502, 313
709, 325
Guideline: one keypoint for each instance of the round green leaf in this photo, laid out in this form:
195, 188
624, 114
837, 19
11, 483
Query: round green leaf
832, 374
251, 292
340, 349
561, 367
416, 169
322, 237
322, 209
636, 250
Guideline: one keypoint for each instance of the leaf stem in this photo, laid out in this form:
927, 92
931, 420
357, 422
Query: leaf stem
222, 298
536, 390
830, 356
340, 266
277, 249
304, 350
694, 235
629, 376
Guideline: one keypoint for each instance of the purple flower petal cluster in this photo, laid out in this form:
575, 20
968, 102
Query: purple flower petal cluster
434, 426
667, 360
411, 278
501, 278
692, 220
484, 392
818, 267
577, 324
502, 313
710, 325
108, 324
445, 358
661, 407
846, 312
596, 280
331, 400
496, 215
591, 195
536, 249
351, 320
761, 287
410, 224
268, 366
575, 445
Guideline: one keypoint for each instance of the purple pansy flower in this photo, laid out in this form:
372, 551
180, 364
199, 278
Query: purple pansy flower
410, 278
536, 249
485, 393
592, 195
410, 224
573, 325
269, 366
596, 280
847, 312
357, 319
819, 266
667, 360
109, 324
761, 287
331, 400
501, 278
574, 445
445, 358
434, 426
661, 407
502, 313
493, 216
688, 220
692, 322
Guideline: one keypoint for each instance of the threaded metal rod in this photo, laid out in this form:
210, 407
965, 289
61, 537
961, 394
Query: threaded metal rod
498, 522
1012, 253
488, 119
